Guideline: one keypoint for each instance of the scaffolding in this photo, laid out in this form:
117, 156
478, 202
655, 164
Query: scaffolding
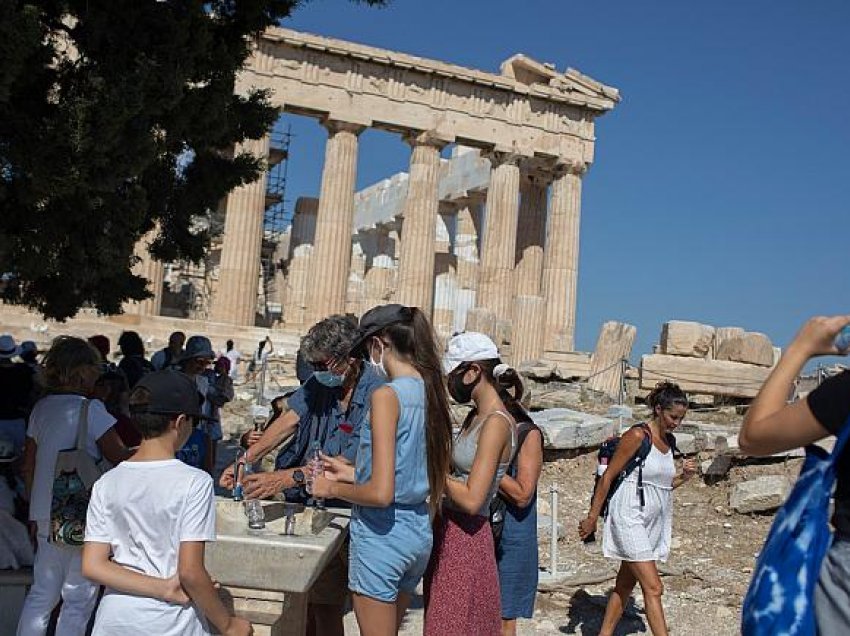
275, 223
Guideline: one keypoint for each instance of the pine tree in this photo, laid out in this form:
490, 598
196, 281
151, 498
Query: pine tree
118, 116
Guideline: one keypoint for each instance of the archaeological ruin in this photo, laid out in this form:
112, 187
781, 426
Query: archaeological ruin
485, 240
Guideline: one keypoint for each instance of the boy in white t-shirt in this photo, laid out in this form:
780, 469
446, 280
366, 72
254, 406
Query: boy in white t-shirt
148, 521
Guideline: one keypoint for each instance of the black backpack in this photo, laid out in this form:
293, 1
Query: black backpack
606, 452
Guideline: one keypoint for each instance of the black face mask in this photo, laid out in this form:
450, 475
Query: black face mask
461, 392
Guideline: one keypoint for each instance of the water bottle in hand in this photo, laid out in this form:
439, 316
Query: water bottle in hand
315, 468
842, 340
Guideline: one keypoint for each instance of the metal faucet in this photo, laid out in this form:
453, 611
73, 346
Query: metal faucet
289, 519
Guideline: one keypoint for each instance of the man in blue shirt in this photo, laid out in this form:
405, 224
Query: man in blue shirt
329, 407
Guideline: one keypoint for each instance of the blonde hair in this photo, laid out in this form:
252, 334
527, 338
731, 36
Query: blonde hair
65, 360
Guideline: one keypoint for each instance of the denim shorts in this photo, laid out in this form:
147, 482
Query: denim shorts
390, 548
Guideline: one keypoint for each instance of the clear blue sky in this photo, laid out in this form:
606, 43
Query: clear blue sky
721, 187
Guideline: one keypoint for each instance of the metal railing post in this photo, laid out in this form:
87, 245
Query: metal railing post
553, 534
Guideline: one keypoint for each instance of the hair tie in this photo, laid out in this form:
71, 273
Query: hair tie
500, 369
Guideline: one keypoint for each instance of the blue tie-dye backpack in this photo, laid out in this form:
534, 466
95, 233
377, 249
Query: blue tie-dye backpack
780, 600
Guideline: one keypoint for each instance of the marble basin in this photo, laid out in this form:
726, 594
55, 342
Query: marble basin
268, 559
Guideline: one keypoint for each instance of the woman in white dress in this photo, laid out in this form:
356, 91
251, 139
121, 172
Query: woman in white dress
638, 533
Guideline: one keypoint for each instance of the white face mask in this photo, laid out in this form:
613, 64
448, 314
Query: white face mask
378, 366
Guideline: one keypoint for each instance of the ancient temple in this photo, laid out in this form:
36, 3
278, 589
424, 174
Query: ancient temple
485, 240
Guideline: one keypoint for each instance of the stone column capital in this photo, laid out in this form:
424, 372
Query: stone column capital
334, 126
538, 178
570, 166
500, 157
430, 138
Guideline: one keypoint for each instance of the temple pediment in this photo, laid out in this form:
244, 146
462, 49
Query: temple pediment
530, 72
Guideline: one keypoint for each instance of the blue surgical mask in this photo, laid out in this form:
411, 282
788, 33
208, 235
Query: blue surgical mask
329, 379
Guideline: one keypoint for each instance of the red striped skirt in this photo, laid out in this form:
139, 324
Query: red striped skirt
462, 582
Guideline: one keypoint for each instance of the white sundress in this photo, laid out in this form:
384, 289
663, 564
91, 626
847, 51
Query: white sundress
642, 533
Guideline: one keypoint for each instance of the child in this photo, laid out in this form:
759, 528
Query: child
71, 368
403, 455
148, 522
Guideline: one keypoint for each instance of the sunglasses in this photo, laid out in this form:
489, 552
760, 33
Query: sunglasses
326, 365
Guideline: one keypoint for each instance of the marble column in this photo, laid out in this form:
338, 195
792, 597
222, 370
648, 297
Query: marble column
416, 255
445, 271
303, 223
531, 236
560, 268
527, 343
495, 281
151, 269
466, 244
300, 262
334, 222
235, 299
466, 253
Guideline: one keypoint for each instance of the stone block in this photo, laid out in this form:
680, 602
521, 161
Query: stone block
717, 377
759, 495
613, 345
751, 348
722, 334
688, 443
569, 364
565, 429
537, 369
685, 338
715, 470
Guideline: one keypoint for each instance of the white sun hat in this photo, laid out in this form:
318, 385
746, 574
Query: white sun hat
469, 346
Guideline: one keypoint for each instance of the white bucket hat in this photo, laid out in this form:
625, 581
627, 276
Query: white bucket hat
468, 347
8, 348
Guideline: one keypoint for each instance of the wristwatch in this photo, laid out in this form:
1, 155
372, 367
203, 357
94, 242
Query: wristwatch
298, 477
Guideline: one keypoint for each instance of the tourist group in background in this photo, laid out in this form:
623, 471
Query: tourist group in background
449, 505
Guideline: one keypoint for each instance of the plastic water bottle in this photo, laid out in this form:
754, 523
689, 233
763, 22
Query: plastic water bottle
842, 340
314, 469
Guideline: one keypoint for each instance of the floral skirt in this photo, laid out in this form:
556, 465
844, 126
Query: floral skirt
462, 582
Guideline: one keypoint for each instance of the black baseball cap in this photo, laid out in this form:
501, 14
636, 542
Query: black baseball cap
377, 319
167, 392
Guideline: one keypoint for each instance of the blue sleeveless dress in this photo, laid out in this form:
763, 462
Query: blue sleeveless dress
516, 557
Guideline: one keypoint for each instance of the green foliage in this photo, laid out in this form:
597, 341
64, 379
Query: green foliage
118, 116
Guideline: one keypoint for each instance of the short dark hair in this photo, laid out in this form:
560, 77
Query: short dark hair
152, 425
149, 425
229, 345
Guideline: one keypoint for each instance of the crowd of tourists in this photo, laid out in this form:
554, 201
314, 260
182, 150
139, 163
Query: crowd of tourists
451, 506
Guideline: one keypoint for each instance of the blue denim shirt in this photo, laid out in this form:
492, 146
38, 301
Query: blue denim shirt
321, 418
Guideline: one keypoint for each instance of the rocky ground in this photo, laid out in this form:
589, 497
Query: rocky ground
711, 562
